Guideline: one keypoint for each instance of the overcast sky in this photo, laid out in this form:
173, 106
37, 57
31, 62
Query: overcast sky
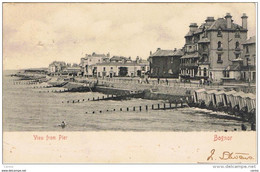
35, 34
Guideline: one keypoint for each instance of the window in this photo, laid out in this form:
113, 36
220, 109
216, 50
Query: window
199, 71
237, 56
237, 44
219, 44
219, 57
247, 49
205, 72
104, 68
111, 68
219, 33
227, 74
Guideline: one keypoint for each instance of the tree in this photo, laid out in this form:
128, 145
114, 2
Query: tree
123, 71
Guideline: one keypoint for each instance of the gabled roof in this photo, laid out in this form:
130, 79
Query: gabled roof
167, 53
116, 64
222, 23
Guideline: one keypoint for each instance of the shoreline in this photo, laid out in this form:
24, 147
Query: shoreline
175, 95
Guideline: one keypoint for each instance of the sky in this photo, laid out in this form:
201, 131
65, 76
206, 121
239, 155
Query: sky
35, 34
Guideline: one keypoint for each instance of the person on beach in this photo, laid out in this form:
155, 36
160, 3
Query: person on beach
147, 81
62, 124
140, 80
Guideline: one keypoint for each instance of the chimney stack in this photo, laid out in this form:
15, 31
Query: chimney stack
229, 20
175, 49
108, 54
193, 27
244, 21
210, 20
158, 49
151, 53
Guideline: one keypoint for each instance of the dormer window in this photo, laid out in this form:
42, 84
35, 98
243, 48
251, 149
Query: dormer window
237, 33
219, 32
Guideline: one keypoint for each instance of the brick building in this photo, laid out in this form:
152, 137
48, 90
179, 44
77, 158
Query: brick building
165, 63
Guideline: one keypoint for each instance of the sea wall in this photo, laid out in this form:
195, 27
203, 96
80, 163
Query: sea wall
169, 97
148, 94
112, 91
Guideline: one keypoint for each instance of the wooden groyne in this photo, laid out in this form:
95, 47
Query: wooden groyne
25, 83
107, 97
164, 106
54, 91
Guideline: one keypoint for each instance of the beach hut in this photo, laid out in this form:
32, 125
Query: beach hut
221, 98
237, 99
199, 95
230, 97
210, 97
242, 98
250, 101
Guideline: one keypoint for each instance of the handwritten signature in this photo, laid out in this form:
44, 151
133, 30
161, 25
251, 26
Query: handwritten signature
226, 155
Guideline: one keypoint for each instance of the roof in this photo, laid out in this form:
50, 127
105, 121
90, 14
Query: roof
251, 40
116, 64
167, 53
231, 92
200, 90
219, 23
222, 23
119, 58
189, 34
58, 63
211, 91
96, 55
190, 55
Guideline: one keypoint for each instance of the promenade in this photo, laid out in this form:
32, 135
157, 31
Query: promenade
173, 86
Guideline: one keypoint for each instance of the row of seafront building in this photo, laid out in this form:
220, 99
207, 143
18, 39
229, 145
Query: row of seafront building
100, 65
216, 51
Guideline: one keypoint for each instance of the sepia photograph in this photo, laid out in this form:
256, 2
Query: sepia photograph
129, 83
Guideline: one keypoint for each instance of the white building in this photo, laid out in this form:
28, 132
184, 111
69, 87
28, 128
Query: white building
88, 61
121, 69
56, 67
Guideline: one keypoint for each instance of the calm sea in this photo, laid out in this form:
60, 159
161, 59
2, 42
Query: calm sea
25, 109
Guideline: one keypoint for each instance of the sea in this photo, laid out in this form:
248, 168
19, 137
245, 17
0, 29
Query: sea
30, 109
